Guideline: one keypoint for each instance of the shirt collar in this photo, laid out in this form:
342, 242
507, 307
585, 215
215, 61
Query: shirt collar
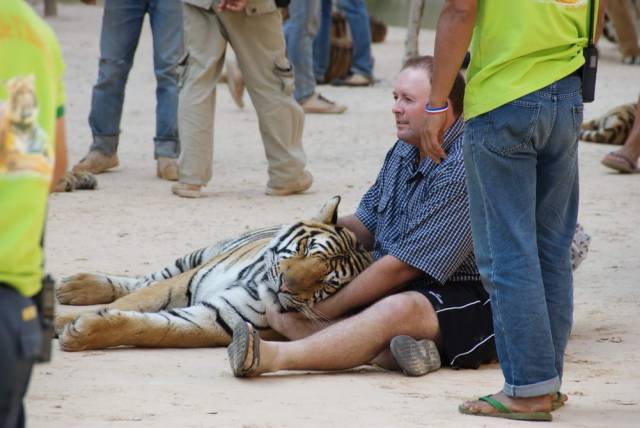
410, 153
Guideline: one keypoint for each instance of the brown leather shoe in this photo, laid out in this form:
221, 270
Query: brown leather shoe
167, 168
185, 190
297, 186
354, 80
96, 163
319, 104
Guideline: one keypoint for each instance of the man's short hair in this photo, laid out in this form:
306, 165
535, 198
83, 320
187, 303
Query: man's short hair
457, 92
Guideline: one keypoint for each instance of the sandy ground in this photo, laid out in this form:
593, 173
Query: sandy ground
132, 225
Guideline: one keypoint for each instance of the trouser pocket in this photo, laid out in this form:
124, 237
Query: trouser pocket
284, 71
182, 69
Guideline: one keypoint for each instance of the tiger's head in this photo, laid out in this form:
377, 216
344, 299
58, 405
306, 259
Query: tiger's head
313, 259
22, 107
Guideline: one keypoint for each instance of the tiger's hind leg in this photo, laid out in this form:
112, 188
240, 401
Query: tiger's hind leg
590, 125
192, 327
167, 294
94, 289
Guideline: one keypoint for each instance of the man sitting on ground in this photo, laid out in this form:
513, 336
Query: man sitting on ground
423, 293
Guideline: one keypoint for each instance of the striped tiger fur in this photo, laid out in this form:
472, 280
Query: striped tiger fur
611, 128
196, 301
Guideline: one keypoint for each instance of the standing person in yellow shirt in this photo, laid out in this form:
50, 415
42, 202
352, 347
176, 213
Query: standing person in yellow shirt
523, 110
32, 157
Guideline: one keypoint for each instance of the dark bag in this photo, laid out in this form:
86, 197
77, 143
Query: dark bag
590, 67
45, 303
282, 3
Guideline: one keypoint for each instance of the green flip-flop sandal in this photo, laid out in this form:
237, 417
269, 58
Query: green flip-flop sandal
504, 412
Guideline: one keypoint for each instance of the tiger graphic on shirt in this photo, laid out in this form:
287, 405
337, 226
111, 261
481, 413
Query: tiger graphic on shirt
23, 143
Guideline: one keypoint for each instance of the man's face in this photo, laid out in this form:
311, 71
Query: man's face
411, 93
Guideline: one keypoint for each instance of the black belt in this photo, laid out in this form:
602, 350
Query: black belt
577, 73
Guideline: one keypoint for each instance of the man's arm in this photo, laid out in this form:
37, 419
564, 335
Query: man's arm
455, 28
378, 280
602, 5
353, 223
60, 164
232, 5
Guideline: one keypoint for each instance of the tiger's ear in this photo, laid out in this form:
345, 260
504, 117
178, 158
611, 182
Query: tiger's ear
328, 214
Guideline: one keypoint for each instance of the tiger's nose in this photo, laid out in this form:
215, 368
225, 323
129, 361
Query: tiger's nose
284, 288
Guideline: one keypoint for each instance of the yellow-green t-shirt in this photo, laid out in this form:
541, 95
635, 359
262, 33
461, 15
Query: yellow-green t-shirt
520, 46
32, 95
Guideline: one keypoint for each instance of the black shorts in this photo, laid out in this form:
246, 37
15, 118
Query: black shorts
466, 325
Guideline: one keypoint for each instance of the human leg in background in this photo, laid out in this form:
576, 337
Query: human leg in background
300, 30
258, 43
625, 159
361, 73
121, 26
322, 42
166, 27
622, 15
205, 46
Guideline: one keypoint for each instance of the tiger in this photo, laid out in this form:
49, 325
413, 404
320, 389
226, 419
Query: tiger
611, 128
197, 300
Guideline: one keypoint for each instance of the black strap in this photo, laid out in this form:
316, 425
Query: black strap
592, 9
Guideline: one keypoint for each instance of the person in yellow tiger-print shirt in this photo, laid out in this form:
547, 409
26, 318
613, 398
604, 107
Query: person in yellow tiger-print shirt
32, 157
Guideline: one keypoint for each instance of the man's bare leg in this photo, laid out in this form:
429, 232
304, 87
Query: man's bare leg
631, 148
625, 159
354, 341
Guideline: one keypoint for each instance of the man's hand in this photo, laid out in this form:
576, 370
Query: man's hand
431, 137
232, 5
292, 325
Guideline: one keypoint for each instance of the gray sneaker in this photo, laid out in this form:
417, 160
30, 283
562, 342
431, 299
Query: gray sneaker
415, 357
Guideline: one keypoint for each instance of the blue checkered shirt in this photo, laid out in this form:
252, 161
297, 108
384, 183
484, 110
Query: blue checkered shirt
418, 211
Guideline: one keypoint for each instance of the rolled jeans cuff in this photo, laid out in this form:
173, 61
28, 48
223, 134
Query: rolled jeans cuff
166, 148
105, 144
533, 390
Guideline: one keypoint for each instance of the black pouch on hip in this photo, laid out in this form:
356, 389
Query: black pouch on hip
590, 67
45, 303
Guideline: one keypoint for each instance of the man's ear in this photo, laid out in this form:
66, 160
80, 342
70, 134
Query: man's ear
328, 214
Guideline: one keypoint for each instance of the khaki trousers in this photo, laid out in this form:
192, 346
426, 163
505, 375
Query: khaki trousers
258, 43
624, 21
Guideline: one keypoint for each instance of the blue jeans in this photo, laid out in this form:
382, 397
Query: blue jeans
121, 26
522, 177
358, 19
299, 31
20, 342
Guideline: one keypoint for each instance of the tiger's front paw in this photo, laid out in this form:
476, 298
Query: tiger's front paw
61, 321
85, 289
94, 330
